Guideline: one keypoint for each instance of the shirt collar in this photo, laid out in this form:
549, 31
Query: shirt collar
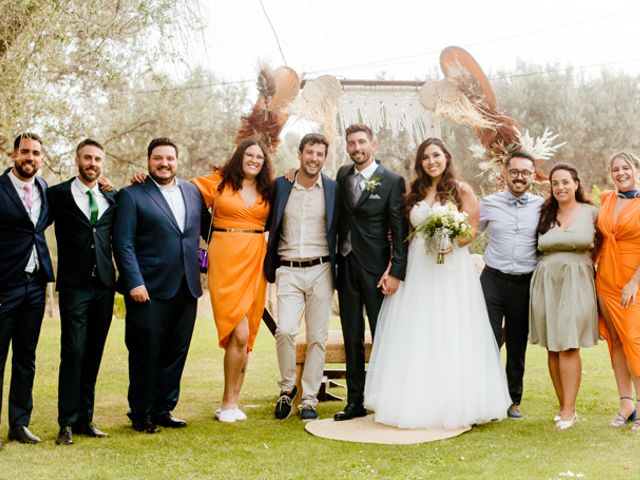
511, 198
83, 188
18, 183
368, 172
164, 189
317, 184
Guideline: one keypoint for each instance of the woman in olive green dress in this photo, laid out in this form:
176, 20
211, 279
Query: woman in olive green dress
563, 312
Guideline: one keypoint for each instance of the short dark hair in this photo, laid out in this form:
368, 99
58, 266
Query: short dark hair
358, 127
160, 142
32, 136
88, 141
520, 154
313, 139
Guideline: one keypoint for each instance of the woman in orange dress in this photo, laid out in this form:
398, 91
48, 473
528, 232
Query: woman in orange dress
617, 281
240, 193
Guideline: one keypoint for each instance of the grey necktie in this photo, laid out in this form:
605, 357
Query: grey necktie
356, 187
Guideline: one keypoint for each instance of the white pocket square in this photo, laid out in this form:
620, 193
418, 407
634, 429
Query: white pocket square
374, 196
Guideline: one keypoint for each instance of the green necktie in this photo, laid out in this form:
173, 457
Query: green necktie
93, 205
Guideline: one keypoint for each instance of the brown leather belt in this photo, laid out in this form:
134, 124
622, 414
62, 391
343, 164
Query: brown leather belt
236, 230
305, 263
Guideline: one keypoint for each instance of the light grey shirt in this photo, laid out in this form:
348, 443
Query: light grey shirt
304, 226
79, 192
173, 196
34, 213
511, 230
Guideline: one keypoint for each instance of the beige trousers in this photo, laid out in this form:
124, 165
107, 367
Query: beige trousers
308, 290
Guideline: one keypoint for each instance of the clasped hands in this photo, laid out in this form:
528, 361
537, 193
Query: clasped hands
388, 283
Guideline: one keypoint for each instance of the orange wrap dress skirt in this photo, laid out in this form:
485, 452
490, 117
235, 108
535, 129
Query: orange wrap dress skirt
618, 260
237, 284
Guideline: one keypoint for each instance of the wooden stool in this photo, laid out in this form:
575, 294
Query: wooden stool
335, 354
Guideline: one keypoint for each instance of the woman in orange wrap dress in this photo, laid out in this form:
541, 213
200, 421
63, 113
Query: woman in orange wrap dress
617, 281
240, 193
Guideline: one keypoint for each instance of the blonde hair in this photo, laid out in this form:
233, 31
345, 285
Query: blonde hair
630, 159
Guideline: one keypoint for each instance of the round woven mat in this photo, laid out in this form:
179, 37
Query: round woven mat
366, 430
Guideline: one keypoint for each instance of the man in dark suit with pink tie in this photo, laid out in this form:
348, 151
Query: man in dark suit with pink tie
26, 269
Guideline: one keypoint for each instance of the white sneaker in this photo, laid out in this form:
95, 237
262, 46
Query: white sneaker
226, 416
240, 415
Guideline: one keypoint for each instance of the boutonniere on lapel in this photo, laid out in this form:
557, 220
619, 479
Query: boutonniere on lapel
372, 185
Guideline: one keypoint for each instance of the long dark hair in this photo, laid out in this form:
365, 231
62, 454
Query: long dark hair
549, 210
447, 187
233, 174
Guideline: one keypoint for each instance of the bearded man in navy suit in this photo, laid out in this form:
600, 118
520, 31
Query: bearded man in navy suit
83, 216
155, 238
25, 270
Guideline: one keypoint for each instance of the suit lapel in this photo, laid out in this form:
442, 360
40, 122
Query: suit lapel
156, 195
282, 203
329, 190
68, 197
44, 205
348, 184
5, 181
187, 210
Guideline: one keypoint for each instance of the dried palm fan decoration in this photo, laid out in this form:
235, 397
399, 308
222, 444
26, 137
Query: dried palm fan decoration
465, 96
276, 90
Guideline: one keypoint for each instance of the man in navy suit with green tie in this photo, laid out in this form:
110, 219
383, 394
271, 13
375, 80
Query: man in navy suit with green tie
83, 216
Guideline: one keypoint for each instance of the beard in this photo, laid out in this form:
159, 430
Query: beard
86, 175
24, 174
162, 181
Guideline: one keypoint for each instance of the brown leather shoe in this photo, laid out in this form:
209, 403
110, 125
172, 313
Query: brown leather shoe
65, 437
21, 434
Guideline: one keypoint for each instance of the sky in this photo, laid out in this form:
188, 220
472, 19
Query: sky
402, 39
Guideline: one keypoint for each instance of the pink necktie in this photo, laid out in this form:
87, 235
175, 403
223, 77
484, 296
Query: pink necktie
27, 196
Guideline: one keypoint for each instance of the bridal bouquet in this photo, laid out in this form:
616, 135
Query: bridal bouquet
442, 228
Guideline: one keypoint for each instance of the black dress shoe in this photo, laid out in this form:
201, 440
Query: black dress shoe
169, 421
352, 410
65, 437
90, 430
22, 434
146, 426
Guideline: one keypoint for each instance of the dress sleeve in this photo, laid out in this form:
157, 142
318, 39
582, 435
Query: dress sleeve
208, 186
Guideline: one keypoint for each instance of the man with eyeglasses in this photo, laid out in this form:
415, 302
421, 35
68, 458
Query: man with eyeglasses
510, 219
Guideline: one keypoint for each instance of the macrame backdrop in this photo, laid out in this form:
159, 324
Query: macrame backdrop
395, 107
335, 105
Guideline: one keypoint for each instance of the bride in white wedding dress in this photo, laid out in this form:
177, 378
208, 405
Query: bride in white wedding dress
435, 362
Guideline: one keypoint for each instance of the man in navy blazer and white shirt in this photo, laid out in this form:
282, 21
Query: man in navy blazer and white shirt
301, 259
155, 238
25, 270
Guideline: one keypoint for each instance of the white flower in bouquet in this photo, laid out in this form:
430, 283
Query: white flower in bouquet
444, 226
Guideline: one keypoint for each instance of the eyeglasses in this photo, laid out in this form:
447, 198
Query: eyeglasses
252, 156
525, 174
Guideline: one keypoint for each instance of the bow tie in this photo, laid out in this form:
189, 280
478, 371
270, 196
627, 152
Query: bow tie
522, 200
629, 194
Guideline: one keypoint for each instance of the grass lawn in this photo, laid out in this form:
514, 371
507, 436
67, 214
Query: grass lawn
263, 448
